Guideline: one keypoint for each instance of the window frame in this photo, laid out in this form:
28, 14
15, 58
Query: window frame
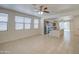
36, 24
27, 23
24, 23
6, 22
19, 23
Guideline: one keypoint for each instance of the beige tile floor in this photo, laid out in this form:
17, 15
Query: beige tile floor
39, 44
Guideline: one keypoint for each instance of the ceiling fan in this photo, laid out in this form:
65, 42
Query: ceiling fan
42, 9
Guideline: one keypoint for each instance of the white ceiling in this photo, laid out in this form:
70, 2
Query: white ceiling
56, 10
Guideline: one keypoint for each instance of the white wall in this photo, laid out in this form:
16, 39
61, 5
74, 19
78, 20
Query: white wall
13, 34
75, 34
75, 25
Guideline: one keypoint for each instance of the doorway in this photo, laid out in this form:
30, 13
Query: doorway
47, 27
65, 25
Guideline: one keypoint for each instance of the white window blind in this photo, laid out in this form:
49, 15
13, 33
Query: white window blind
27, 23
19, 21
3, 21
36, 23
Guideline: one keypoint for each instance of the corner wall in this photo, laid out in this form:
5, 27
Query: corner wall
75, 34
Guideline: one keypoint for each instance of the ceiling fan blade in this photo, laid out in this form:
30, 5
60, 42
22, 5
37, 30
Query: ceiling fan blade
46, 11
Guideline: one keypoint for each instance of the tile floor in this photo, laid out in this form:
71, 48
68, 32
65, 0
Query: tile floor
40, 44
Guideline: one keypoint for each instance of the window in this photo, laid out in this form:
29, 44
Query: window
61, 24
22, 22
27, 23
19, 21
36, 22
3, 21
65, 26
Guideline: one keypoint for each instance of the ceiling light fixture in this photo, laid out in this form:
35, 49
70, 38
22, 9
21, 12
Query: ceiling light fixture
40, 12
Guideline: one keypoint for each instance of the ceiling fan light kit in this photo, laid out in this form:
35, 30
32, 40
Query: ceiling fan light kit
40, 12
42, 9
